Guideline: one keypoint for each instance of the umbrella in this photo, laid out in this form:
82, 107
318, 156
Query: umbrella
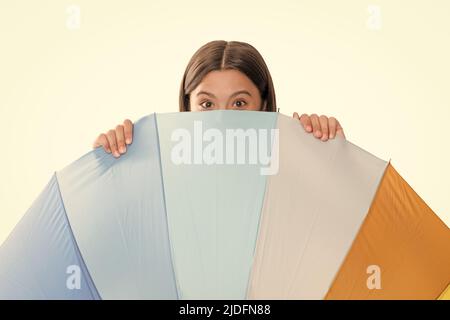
227, 205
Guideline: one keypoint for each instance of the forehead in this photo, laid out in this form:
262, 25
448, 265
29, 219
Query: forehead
226, 81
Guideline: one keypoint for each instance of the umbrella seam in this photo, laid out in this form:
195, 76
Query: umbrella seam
91, 285
172, 258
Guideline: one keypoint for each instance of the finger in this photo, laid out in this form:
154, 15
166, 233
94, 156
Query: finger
128, 128
120, 139
112, 143
323, 120
316, 125
102, 140
306, 122
339, 130
332, 125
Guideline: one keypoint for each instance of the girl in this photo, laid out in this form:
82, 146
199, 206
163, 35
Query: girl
225, 75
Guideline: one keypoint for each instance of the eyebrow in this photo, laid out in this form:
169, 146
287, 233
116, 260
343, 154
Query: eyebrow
234, 94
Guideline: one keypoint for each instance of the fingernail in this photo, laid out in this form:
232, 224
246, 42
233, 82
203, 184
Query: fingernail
308, 128
116, 154
108, 150
128, 141
122, 150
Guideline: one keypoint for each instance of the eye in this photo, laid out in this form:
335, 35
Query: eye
206, 104
240, 103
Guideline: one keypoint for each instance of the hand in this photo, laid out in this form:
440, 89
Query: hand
116, 140
322, 127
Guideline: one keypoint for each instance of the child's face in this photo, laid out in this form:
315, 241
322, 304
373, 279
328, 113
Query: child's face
225, 89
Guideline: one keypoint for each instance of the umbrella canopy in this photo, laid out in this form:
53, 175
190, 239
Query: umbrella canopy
227, 205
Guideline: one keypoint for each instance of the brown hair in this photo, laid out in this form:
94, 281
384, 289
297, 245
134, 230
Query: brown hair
222, 55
